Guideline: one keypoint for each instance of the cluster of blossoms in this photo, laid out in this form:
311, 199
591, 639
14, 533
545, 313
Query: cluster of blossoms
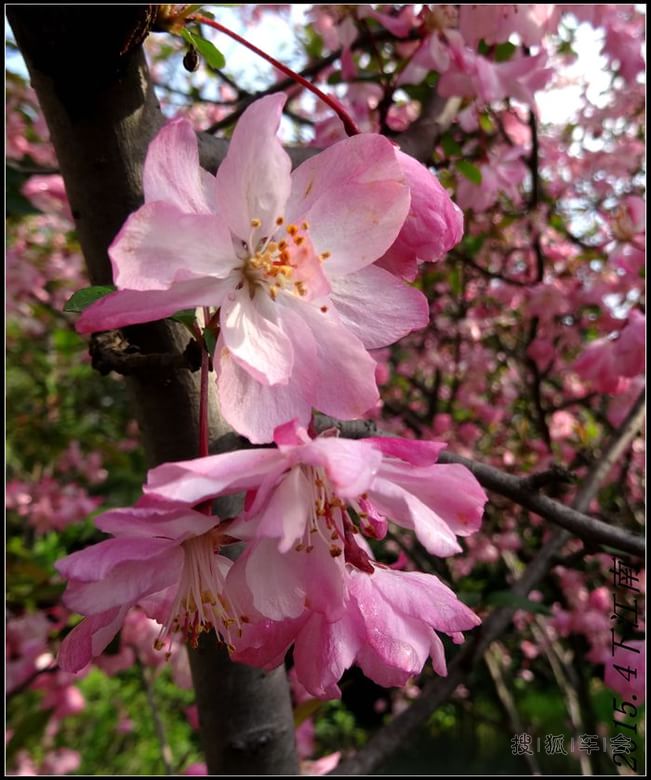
299, 274
307, 576
463, 380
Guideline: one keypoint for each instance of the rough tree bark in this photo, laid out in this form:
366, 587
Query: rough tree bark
89, 72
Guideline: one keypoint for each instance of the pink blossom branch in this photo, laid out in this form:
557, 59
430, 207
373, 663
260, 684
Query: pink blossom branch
349, 124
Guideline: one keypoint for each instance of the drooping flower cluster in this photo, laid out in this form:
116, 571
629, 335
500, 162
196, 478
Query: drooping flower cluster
284, 266
307, 575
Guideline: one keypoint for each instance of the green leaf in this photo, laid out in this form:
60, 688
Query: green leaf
210, 341
306, 710
450, 146
486, 123
565, 49
186, 317
454, 280
483, 48
504, 51
83, 298
211, 54
470, 171
472, 244
66, 341
504, 598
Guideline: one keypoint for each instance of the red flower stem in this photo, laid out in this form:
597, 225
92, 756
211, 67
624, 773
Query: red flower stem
205, 506
203, 395
203, 405
349, 124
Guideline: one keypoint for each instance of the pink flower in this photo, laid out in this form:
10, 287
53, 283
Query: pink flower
286, 257
162, 553
630, 348
496, 23
311, 499
503, 173
433, 226
321, 766
471, 75
48, 194
198, 768
629, 219
388, 629
624, 43
61, 762
610, 362
433, 54
628, 259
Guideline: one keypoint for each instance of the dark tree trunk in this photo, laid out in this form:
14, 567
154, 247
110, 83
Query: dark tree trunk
89, 72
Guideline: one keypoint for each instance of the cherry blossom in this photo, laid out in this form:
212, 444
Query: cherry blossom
311, 499
286, 258
496, 23
162, 556
388, 629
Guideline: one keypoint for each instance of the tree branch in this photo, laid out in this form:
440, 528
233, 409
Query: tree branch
516, 488
100, 106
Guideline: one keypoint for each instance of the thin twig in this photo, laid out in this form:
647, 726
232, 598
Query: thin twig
165, 751
492, 658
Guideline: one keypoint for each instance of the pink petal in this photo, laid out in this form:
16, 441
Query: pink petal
159, 245
275, 584
346, 385
287, 512
90, 638
290, 434
255, 410
449, 490
399, 643
253, 181
418, 453
97, 561
354, 197
129, 307
377, 307
350, 465
126, 582
254, 339
172, 173
179, 524
408, 511
390, 667
322, 653
433, 226
437, 654
195, 480
322, 577
264, 644
424, 597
